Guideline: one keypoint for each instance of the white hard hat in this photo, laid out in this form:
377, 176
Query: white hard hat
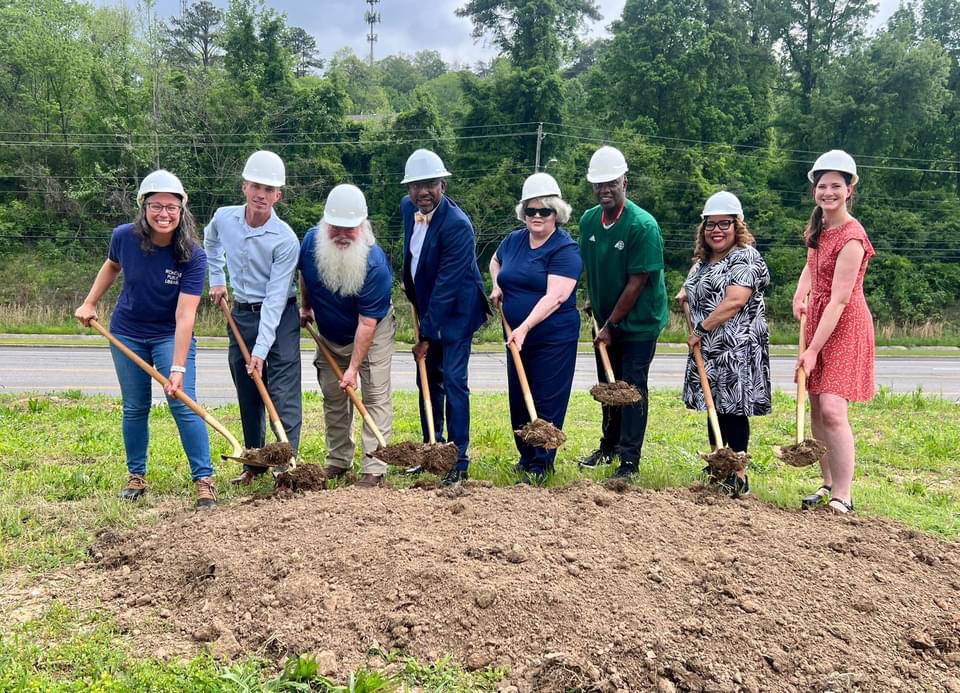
265, 168
423, 165
835, 160
722, 202
346, 206
606, 164
160, 181
539, 185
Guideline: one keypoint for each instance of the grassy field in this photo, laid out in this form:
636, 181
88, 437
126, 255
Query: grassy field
61, 464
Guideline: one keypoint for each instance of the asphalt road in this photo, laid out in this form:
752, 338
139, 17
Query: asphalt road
90, 370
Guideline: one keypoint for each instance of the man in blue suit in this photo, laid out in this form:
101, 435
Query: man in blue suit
442, 280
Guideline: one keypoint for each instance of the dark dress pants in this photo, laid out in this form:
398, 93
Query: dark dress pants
449, 394
623, 428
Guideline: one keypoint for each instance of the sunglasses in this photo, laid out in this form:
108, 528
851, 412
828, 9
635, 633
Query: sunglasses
538, 212
156, 208
723, 225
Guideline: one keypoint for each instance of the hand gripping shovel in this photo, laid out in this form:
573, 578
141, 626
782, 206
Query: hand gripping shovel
804, 452
722, 461
273, 454
615, 393
238, 453
536, 432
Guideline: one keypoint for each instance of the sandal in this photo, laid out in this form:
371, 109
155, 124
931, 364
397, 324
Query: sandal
842, 507
819, 497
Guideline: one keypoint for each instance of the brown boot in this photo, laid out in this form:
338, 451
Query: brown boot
135, 489
245, 479
370, 481
206, 492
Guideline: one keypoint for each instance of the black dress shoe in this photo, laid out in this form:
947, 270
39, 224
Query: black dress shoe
626, 470
245, 479
415, 469
455, 476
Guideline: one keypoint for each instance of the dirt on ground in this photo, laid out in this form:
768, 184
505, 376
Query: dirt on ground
802, 454
724, 462
305, 477
616, 394
433, 458
540, 433
587, 587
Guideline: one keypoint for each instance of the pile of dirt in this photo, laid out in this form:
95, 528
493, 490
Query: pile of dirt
305, 477
724, 462
271, 455
540, 433
802, 454
434, 459
616, 394
585, 587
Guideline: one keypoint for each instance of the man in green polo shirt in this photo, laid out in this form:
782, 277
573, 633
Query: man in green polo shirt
622, 251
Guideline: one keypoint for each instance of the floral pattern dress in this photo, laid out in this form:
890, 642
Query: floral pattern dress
737, 353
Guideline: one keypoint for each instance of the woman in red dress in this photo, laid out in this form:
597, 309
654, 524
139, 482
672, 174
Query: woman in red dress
839, 356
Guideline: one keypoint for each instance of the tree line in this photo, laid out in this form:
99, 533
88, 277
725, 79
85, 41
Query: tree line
699, 94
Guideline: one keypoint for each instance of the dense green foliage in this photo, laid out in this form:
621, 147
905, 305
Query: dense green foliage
699, 94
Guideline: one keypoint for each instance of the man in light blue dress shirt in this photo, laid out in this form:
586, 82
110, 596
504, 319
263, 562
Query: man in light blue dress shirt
260, 252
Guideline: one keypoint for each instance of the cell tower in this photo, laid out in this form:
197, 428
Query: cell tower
372, 17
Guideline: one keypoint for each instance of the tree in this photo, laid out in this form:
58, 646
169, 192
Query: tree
303, 48
429, 64
239, 41
195, 34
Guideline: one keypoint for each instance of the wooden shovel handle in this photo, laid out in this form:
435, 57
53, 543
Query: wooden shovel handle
802, 379
351, 393
179, 394
604, 356
705, 384
521, 373
424, 384
254, 374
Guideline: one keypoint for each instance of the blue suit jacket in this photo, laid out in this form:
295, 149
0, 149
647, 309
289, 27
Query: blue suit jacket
447, 290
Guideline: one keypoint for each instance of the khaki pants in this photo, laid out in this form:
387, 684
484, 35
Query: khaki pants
374, 382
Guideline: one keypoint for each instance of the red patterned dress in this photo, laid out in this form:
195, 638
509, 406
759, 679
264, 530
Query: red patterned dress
845, 366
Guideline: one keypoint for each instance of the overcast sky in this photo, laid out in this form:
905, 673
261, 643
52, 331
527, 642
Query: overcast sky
407, 25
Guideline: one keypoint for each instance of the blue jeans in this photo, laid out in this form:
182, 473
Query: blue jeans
135, 388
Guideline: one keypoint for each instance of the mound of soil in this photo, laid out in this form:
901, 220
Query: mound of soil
540, 433
305, 477
724, 462
586, 587
616, 394
802, 454
434, 459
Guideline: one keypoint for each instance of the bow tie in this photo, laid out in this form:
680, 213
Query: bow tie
421, 218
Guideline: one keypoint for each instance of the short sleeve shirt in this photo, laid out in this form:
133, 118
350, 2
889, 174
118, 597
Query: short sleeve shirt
152, 284
337, 316
633, 245
523, 280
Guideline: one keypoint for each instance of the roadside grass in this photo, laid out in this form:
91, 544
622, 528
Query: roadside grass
61, 464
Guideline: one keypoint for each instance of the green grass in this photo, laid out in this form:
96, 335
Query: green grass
61, 464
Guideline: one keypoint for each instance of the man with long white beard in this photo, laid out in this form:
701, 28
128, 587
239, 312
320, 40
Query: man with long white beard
346, 284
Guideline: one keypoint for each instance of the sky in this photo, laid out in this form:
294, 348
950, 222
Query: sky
406, 26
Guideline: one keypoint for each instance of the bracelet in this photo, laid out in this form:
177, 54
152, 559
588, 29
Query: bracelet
178, 369
700, 330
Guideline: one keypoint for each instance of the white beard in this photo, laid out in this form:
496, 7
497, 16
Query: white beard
341, 271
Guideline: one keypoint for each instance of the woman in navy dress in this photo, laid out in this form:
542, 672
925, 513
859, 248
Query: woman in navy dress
534, 273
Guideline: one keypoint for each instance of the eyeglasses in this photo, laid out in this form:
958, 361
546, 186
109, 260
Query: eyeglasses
723, 225
156, 208
538, 212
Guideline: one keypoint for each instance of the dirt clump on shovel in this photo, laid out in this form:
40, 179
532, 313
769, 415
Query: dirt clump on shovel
271, 455
542, 434
801, 454
724, 462
433, 459
616, 394
306, 477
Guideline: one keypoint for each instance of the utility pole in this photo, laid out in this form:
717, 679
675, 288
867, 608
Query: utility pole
372, 17
536, 165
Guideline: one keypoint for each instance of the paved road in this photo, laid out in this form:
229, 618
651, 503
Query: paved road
90, 370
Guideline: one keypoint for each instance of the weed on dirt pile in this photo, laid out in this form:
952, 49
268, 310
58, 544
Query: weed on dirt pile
586, 586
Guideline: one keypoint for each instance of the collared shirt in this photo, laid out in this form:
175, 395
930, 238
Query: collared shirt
416, 242
261, 261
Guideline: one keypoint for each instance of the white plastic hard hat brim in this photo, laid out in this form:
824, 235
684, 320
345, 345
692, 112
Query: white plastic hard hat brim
540, 185
160, 181
423, 165
835, 160
265, 168
722, 202
606, 164
346, 206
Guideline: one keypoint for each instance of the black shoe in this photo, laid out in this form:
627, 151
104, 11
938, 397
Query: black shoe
414, 470
735, 487
819, 497
626, 470
596, 458
455, 476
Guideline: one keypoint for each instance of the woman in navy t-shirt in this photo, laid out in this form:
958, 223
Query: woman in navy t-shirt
163, 266
534, 274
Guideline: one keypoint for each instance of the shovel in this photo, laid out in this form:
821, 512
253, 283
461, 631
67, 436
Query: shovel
238, 453
804, 452
280, 454
615, 393
722, 460
536, 432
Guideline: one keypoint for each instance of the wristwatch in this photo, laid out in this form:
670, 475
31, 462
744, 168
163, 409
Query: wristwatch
700, 330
